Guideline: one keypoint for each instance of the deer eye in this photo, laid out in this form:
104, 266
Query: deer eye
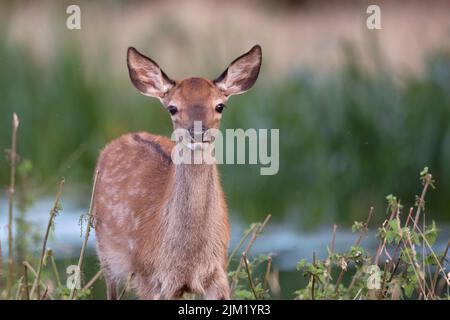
172, 109
220, 107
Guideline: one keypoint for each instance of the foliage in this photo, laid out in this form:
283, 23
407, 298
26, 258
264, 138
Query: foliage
345, 135
348, 128
407, 273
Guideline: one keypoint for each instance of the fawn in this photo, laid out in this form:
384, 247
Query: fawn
166, 224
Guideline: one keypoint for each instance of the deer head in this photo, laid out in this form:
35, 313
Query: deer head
194, 99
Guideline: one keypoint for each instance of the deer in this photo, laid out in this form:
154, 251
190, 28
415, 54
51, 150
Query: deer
164, 226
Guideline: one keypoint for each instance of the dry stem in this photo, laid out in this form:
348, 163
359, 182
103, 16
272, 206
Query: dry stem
94, 278
127, 284
255, 235
25, 277
44, 244
11, 191
86, 235
249, 275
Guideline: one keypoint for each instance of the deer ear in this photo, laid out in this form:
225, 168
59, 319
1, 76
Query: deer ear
146, 75
241, 74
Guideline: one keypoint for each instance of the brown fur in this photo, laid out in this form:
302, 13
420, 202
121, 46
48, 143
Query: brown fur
166, 224
159, 230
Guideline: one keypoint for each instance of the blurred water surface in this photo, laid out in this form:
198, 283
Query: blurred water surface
282, 241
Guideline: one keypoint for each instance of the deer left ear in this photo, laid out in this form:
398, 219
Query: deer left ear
146, 75
241, 74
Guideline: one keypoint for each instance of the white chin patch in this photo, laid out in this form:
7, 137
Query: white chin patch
196, 146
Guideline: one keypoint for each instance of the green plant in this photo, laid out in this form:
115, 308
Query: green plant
245, 281
406, 273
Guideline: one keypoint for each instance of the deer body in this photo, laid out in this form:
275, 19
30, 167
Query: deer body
165, 224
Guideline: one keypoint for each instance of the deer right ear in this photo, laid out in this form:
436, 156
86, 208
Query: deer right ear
241, 74
146, 75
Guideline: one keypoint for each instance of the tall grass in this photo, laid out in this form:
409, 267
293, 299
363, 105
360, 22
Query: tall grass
345, 136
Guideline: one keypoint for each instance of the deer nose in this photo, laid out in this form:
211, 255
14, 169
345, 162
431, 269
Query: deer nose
197, 131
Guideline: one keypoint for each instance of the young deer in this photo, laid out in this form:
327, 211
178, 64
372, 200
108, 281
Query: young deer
167, 224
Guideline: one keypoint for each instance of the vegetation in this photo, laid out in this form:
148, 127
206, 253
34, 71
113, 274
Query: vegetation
411, 269
346, 137
339, 131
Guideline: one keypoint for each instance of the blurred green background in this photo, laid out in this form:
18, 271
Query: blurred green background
360, 112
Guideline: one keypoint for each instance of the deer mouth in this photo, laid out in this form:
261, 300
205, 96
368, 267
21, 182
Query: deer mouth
198, 145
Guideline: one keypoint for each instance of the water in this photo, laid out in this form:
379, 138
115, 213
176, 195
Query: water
287, 244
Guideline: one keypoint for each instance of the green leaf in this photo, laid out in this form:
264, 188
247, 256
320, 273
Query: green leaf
424, 171
409, 286
301, 264
242, 294
25, 168
431, 233
357, 226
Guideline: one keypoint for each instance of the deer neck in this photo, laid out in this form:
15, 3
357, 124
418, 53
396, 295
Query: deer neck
194, 199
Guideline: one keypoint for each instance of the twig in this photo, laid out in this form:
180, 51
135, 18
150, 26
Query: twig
30, 267
266, 276
383, 284
386, 252
19, 288
255, 235
434, 255
338, 281
11, 191
358, 241
400, 231
1, 255
125, 288
421, 202
395, 268
53, 213
395, 211
421, 276
355, 277
440, 287
25, 278
409, 216
333, 238
436, 273
427, 181
86, 235
357, 294
424, 265
366, 225
44, 295
313, 277
394, 257
249, 275
333, 241
343, 270
92, 281
55, 270
238, 246
414, 264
